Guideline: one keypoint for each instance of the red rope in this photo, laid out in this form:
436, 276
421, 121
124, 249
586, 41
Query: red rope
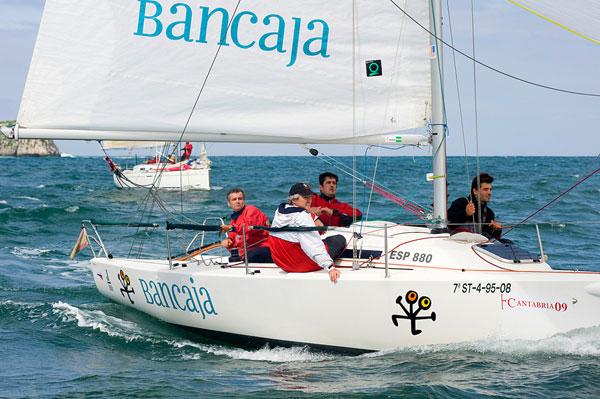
400, 201
549, 203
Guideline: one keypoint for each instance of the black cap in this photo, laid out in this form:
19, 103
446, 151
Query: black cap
302, 189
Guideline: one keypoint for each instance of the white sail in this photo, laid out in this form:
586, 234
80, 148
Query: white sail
285, 71
578, 16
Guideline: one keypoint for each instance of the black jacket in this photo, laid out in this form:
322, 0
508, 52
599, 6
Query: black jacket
458, 219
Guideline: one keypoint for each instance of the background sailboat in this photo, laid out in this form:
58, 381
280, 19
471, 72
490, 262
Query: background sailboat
163, 170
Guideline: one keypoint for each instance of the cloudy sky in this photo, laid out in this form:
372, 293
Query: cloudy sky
513, 118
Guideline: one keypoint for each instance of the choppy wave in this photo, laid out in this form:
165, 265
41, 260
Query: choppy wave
12, 311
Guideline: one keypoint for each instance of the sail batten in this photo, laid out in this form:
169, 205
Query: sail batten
281, 73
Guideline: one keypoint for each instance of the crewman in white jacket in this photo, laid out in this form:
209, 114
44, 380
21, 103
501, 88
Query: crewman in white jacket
299, 251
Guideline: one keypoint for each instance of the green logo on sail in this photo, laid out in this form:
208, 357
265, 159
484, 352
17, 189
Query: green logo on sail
183, 20
374, 68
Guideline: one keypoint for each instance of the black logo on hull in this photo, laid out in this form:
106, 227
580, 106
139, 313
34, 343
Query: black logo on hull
126, 283
412, 298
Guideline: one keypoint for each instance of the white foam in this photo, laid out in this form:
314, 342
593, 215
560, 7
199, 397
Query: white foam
24, 252
72, 209
581, 342
130, 331
41, 186
98, 320
3, 202
266, 354
29, 198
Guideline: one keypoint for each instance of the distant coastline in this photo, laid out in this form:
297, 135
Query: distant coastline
26, 147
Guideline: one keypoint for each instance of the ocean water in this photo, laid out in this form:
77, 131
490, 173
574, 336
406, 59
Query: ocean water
59, 338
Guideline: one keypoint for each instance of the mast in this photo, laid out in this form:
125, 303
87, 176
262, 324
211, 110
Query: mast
438, 128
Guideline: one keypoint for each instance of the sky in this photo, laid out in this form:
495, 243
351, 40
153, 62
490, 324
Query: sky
512, 118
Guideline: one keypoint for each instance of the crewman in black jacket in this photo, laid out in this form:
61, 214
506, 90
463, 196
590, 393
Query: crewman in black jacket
472, 213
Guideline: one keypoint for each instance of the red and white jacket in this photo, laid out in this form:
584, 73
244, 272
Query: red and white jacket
297, 251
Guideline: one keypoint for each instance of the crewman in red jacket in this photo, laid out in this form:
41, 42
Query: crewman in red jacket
187, 152
247, 215
331, 211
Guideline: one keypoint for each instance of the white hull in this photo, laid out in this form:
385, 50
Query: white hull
145, 175
473, 295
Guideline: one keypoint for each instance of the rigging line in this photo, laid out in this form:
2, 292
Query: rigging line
552, 224
143, 208
554, 22
492, 68
560, 196
151, 193
460, 112
354, 27
357, 175
135, 184
575, 223
174, 152
439, 65
209, 72
400, 201
584, 173
366, 218
429, 167
476, 116
408, 199
592, 164
392, 85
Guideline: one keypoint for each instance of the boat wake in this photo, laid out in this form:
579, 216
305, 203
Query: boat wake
266, 354
580, 342
187, 350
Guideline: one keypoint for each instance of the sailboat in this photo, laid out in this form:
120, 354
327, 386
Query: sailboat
307, 72
161, 171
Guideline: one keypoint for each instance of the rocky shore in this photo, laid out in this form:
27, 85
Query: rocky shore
26, 147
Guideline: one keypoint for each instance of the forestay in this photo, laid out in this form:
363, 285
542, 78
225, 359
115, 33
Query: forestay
283, 71
578, 16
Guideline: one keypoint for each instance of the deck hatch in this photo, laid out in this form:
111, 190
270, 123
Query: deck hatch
508, 252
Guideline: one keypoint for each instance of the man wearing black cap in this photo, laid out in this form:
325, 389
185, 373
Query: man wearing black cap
302, 251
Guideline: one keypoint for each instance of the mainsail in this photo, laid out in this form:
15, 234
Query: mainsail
259, 71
